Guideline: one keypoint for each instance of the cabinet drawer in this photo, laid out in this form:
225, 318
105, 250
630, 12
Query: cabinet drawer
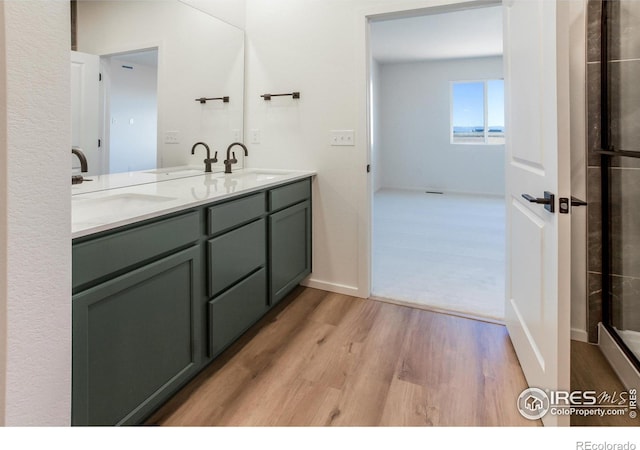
97, 258
236, 212
233, 312
235, 254
288, 195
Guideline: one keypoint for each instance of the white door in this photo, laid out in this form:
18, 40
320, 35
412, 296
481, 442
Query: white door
85, 109
537, 310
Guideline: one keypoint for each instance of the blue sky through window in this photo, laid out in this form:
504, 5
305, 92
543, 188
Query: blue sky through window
469, 124
468, 104
495, 103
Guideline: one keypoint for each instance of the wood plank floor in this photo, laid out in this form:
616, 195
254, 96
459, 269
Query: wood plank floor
321, 359
590, 371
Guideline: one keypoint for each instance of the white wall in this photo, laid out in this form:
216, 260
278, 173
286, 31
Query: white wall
319, 49
198, 56
415, 127
35, 214
230, 11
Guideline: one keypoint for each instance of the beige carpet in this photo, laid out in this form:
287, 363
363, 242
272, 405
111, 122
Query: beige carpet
445, 251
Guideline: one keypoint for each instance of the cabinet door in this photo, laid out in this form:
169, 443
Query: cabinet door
135, 340
289, 249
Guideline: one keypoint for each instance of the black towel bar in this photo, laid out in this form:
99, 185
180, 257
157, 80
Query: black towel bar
268, 96
204, 100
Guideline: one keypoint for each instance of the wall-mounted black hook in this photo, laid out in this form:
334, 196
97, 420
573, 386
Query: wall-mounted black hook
292, 94
204, 100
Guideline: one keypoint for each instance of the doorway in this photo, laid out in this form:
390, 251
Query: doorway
130, 92
115, 110
438, 208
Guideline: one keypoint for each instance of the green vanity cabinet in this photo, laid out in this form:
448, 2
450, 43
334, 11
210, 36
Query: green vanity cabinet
135, 333
289, 238
156, 301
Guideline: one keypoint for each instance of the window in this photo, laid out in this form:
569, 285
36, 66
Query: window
477, 112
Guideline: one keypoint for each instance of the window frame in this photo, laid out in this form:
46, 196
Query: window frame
485, 92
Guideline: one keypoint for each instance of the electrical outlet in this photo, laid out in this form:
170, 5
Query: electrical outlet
255, 136
342, 137
171, 137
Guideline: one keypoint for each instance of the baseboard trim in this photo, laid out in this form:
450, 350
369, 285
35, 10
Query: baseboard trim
332, 287
620, 364
579, 335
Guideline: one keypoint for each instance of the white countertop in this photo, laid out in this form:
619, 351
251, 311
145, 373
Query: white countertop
110, 201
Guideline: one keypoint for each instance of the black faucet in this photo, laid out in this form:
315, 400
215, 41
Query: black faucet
208, 161
229, 161
83, 159
84, 167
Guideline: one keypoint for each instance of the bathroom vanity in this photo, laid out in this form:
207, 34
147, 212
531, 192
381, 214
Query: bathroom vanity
167, 274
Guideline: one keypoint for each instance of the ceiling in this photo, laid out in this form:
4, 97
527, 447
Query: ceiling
469, 33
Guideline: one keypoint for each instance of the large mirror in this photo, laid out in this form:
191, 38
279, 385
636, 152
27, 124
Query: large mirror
137, 70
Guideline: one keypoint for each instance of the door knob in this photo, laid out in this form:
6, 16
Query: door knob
548, 201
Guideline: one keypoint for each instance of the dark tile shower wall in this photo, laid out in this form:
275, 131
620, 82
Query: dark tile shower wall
624, 111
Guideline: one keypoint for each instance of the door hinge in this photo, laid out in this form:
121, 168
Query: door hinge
368, 168
99, 143
99, 77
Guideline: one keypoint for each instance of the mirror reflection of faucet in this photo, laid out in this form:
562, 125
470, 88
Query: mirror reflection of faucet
211, 181
208, 182
196, 197
230, 185
84, 166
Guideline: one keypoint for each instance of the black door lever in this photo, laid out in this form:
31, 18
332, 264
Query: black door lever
577, 202
566, 204
548, 201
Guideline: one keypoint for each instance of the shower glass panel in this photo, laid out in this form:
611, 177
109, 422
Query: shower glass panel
623, 64
620, 48
624, 204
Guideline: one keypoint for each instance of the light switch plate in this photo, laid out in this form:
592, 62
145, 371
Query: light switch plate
342, 137
255, 136
171, 137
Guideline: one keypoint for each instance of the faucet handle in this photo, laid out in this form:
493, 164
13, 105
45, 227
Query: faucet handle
215, 157
234, 157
